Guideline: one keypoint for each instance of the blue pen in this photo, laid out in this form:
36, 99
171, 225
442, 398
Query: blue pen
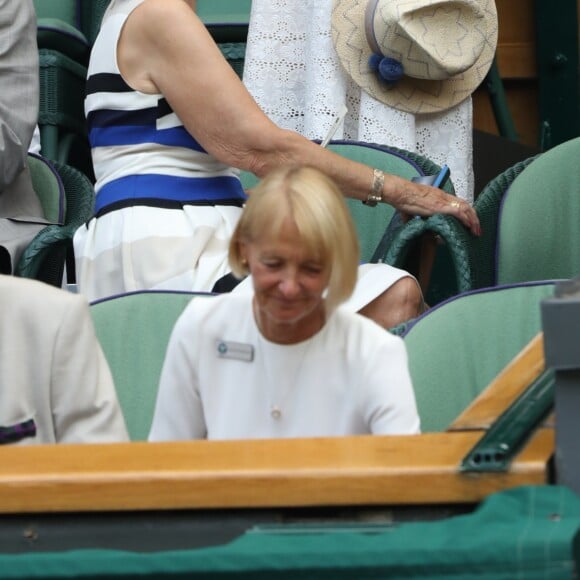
442, 177
436, 181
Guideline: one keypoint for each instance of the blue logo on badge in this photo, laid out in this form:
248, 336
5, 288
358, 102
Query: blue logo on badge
234, 350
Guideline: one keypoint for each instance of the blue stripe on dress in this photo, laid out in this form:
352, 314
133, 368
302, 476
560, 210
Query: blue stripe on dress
170, 187
135, 135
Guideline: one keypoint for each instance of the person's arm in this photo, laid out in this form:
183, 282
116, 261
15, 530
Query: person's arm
165, 48
19, 95
83, 397
387, 396
178, 410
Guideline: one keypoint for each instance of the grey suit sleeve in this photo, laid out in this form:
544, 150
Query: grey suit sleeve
19, 81
83, 397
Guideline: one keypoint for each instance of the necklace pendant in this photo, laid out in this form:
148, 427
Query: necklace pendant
276, 412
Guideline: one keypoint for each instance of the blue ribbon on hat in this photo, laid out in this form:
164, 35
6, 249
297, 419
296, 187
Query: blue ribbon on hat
388, 69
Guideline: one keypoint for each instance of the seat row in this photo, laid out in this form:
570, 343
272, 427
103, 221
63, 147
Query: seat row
455, 349
529, 216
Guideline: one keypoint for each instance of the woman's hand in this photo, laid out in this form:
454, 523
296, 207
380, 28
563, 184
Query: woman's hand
418, 199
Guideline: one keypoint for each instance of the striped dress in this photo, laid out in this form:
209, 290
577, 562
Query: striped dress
165, 208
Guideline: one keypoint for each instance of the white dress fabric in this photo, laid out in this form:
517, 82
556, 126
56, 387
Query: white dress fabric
293, 72
223, 380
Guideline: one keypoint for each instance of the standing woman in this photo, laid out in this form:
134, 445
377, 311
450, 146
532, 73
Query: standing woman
287, 360
169, 120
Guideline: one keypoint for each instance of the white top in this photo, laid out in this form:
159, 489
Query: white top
293, 72
223, 380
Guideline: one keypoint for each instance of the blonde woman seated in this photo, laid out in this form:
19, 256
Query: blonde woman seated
286, 360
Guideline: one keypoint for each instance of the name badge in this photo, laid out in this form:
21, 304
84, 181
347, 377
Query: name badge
234, 350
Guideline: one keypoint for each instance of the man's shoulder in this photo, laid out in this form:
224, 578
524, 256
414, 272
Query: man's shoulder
29, 307
34, 292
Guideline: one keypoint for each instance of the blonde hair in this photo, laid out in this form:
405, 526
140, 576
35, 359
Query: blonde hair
317, 207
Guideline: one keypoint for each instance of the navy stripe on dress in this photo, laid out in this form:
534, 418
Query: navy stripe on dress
107, 83
112, 117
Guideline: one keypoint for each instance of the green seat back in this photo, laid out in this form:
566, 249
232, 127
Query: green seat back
44, 258
48, 187
133, 330
61, 117
228, 23
224, 11
92, 12
65, 10
538, 228
458, 347
59, 28
55, 34
370, 222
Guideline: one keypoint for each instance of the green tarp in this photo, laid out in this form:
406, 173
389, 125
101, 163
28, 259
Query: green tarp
523, 533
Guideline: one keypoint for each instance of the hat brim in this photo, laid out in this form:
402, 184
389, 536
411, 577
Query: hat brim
410, 95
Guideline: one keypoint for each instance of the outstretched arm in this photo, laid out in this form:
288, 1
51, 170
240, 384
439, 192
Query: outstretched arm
166, 49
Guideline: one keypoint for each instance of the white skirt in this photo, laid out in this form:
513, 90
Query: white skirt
142, 248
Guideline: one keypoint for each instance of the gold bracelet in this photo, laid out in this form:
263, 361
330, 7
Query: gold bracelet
376, 193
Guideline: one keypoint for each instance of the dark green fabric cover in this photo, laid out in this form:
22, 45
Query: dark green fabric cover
524, 533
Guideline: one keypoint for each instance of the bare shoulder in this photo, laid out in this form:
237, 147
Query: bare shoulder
162, 25
160, 13
157, 32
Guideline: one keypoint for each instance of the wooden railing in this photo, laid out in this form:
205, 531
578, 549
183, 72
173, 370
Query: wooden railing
346, 471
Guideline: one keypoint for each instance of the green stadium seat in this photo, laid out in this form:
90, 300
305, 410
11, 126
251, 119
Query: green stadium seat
134, 330
459, 346
67, 197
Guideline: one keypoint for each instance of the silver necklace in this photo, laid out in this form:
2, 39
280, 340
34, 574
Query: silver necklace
277, 397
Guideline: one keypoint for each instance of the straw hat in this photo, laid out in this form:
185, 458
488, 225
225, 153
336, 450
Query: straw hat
418, 56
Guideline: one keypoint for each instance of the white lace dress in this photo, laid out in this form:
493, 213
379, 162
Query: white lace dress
293, 72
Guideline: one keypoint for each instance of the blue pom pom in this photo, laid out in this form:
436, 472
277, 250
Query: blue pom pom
390, 70
375, 61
